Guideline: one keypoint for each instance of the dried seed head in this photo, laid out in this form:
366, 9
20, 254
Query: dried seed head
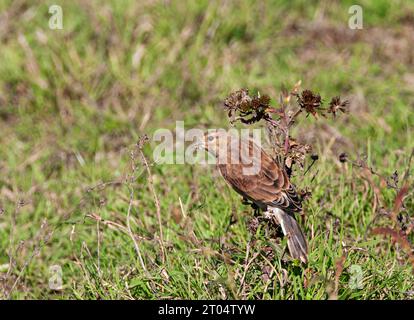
238, 100
337, 105
314, 157
142, 141
310, 102
394, 177
261, 102
343, 157
250, 109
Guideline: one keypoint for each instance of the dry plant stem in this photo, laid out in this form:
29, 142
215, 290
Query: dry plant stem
131, 199
103, 185
246, 268
244, 273
398, 203
399, 238
41, 241
157, 203
294, 117
84, 247
273, 270
11, 239
26, 263
98, 233
401, 192
112, 225
308, 168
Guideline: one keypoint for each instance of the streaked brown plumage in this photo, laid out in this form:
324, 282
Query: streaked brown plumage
251, 172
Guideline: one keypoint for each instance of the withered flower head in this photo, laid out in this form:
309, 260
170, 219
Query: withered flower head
314, 156
238, 100
343, 157
337, 105
310, 102
261, 102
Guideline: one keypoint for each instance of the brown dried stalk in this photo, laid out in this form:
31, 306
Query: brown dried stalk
140, 145
398, 237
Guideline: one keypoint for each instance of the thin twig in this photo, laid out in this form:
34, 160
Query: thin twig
156, 200
41, 241
98, 232
310, 166
131, 199
246, 268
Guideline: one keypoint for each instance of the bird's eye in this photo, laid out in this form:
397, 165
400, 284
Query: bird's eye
210, 138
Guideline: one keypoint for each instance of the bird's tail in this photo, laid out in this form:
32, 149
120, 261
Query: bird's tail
296, 241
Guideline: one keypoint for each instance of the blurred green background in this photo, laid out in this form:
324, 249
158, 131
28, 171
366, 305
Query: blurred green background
74, 102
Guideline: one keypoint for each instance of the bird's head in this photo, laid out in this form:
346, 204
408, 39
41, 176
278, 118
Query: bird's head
215, 142
229, 148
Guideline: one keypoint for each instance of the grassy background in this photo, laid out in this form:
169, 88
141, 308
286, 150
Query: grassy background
74, 102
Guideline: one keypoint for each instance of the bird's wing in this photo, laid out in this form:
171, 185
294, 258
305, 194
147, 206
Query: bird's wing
269, 186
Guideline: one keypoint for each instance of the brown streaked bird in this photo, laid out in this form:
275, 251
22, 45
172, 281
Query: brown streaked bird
255, 175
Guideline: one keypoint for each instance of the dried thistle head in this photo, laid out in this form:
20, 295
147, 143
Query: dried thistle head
337, 105
238, 100
260, 102
242, 103
310, 102
343, 157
